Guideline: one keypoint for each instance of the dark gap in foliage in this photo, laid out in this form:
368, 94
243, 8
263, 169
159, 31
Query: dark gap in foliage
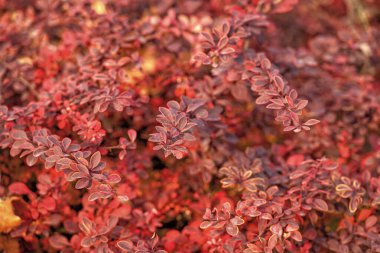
179, 222
77, 207
157, 163
32, 183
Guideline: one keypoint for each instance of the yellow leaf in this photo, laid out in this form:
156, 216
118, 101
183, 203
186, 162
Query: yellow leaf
149, 62
99, 7
25, 60
8, 220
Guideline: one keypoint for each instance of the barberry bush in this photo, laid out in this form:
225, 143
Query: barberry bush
153, 126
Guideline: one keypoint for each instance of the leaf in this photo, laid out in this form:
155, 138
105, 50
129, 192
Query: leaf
205, 224
123, 198
58, 241
222, 42
295, 160
370, 221
132, 135
227, 50
82, 183
53, 158
83, 169
66, 142
311, 122
344, 190
252, 248
177, 154
99, 7
272, 241
207, 36
291, 227
376, 201
86, 226
296, 235
48, 203
189, 137
105, 188
87, 242
354, 203
301, 104
201, 114
122, 154
266, 216
240, 92
173, 105
202, 57
93, 196
276, 229
251, 184
232, 229
289, 128
364, 214
274, 106
237, 221
18, 134
9, 220
114, 178
112, 222
167, 113
95, 159
195, 104
262, 100
225, 28
266, 64
285, 6
279, 82
9, 244
18, 188
31, 160
188, 126
125, 245
321, 205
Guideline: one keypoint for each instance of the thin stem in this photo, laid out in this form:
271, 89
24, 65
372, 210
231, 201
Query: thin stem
30, 87
113, 147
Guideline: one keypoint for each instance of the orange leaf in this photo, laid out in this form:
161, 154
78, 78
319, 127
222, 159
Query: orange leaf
8, 220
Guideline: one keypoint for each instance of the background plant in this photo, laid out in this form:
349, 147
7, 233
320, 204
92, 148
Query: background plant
189, 126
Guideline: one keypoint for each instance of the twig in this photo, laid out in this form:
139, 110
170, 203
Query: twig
30, 87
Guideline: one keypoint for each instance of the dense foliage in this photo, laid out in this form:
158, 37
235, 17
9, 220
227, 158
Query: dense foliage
159, 126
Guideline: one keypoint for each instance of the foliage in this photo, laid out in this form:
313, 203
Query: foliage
189, 126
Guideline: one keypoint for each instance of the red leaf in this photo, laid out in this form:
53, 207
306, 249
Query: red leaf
132, 135
232, 230
114, 178
48, 203
321, 205
295, 160
262, 100
296, 235
311, 122
370, 222
86, 226
31, 160
82, 183
125, 245
93, 196
58, 241
227, 50
18, 188
272, 241
19, 134
95, 159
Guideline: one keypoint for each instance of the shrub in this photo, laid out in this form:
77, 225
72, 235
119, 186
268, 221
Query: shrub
189, 126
